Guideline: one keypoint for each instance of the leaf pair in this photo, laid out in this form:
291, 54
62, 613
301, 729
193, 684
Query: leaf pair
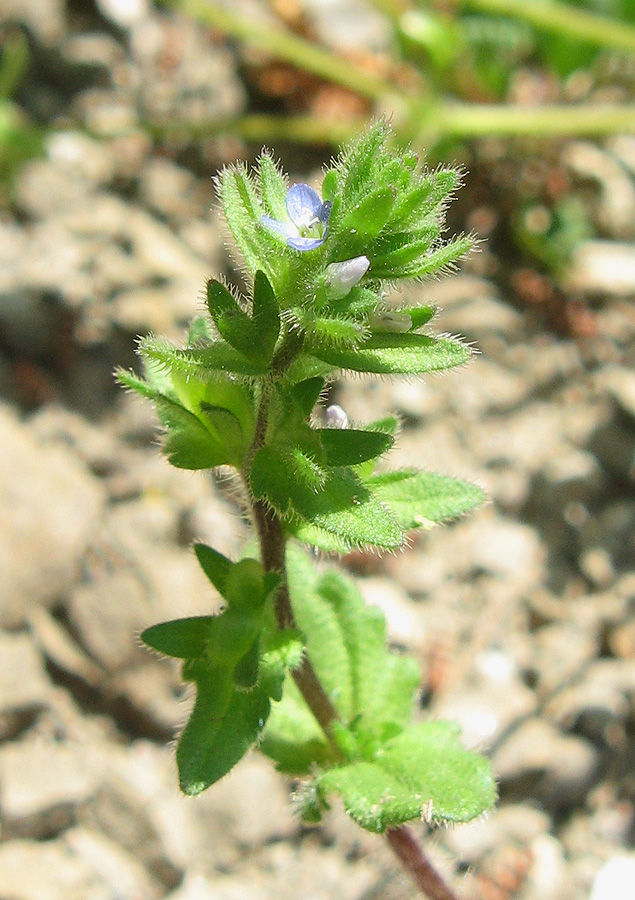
391, 768
253, 336
237, 663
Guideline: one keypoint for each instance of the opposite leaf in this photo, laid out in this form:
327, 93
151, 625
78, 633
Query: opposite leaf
422, 773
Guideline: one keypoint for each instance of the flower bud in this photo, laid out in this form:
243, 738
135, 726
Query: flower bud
341, 277
399, 322
336, 417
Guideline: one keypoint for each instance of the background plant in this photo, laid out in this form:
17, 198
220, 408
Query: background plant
296, 662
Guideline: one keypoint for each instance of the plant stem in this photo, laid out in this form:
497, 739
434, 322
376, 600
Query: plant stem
575, 23
425, 876
458, 120
282, 44
272, 547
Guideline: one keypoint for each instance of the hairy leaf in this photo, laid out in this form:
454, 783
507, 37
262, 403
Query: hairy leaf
349, 446
422, 773
398, 354
421, 498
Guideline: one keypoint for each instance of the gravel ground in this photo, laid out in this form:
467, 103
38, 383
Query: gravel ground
521, 615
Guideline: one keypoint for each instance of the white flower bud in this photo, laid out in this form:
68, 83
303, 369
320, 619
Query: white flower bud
341, 277
399, 322
336, 417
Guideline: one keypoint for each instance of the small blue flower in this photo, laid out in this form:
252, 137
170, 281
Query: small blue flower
309, 217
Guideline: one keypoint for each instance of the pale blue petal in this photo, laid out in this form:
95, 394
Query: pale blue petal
302, 199
282, 228
305, 243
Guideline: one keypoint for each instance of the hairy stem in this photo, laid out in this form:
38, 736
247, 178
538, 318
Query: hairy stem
272, 547
424, 875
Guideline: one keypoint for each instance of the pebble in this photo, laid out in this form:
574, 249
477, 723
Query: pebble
561, 766
49, 508
602, 267
615, 880
24, 684
42, 782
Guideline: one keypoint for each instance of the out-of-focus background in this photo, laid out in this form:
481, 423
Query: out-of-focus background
114, 116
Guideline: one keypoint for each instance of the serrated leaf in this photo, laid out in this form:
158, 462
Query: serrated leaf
350, 446
420, 498
346, 643
424, 772
397, 354
181, 638
226, 720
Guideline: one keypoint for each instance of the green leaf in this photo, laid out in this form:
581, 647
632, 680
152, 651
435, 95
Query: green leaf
397, 354
224, 724
422, 773
243, 212
216, 566
349, 446
329, 185
420, 315
181, 638
188, 443
346, 642
292, 736
418, 261
227, 720
199, 360
367, 217
274, 187
266, 316
419, 499
348, 511
306, 394
335, 331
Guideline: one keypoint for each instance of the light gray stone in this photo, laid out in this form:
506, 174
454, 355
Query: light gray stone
49, 508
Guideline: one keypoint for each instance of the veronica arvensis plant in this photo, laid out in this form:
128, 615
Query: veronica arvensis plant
297, 663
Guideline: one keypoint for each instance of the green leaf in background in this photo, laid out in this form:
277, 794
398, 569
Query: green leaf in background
398, 354
420, 499
422, 773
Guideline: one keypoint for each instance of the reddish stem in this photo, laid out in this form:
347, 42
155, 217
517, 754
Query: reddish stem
420, 869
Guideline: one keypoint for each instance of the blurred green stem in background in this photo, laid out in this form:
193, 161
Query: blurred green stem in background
567, 21
13, 62
416, 117
459, 120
